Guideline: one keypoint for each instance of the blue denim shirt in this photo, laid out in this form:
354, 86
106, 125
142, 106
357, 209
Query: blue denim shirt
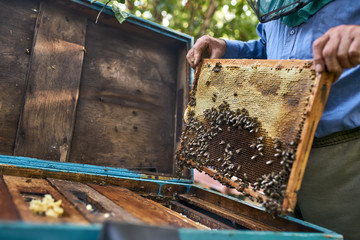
278, 41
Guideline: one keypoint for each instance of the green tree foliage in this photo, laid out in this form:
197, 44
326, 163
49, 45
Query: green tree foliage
230, 19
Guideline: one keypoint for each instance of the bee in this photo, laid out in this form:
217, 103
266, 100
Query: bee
269, 162
261, 145
238, 168
217, 67
245, 176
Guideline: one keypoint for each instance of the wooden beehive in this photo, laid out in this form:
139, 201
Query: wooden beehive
92, 114
250, 124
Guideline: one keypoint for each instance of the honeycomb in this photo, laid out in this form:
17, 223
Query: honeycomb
244, 123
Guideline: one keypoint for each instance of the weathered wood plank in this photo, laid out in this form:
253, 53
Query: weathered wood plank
148, 211
80, 195
16, 35
126, 107
198, 217
141, 187
46, 125
8, 210
244, 211
24, 189
239, 219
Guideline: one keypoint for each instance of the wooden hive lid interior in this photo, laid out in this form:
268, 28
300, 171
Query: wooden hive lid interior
101, 93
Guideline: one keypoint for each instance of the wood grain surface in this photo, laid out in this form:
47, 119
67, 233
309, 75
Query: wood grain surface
148, 211
16, 36
46, 125
81, 195
8, 210
242, 220
126, 108
134, 87
199, 217
247, 210
23, 189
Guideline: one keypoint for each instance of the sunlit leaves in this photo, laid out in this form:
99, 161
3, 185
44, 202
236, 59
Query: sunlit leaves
120, 15
232, 19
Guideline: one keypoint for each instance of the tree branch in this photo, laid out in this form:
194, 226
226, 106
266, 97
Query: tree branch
130, 5
97, 18
208, 15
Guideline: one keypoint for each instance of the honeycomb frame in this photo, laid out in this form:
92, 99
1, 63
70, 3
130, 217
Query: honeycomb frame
250, 125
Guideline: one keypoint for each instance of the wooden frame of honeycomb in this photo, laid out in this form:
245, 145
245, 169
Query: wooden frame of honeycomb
250, 125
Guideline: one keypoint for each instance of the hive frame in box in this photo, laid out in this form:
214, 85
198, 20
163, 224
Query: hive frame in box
160, 185
32, 231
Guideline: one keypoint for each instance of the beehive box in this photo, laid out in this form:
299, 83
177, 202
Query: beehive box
92, 114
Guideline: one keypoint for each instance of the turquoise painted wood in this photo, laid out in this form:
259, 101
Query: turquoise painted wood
189, 234
324, 233
66, 167
141, 22
30, 231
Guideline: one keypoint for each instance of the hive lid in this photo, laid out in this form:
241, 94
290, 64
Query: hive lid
250, 124
97, 96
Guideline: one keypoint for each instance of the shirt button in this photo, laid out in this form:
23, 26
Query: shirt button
292, 32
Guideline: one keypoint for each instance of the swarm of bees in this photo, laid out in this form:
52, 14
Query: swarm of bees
207, 144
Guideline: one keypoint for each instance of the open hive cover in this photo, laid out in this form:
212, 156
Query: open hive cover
250, 125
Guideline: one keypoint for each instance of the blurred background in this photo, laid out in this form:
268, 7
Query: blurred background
230, 19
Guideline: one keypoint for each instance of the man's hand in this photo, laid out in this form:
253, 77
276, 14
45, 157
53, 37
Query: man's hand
215, 48
337, 49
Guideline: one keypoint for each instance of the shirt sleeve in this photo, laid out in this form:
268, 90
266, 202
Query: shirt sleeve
254, 49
